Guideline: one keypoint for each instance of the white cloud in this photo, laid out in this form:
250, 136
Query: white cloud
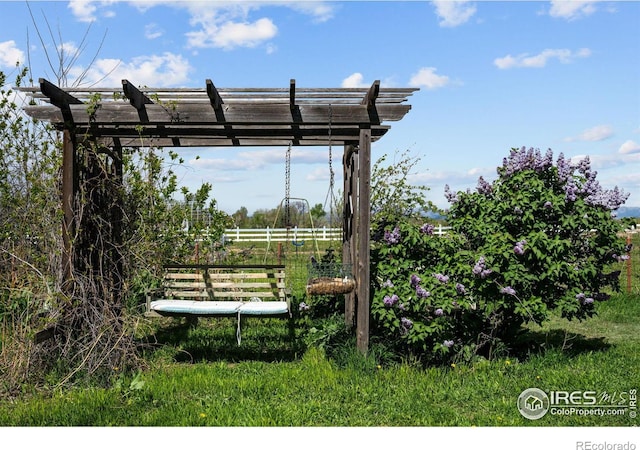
355, 80
572, 10
565, 56
319, 174
153, 31
595, 134
10, 54
68, 50
84, 11
167, 69
428, 78
226, 24
229, 35
454, 13
320, 11
629, 147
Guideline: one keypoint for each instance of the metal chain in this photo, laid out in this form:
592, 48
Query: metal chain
287, 187
331, 173
330, 198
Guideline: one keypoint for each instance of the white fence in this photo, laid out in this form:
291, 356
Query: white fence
294, 234
282, 234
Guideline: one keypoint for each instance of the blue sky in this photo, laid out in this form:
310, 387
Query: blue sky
492, 76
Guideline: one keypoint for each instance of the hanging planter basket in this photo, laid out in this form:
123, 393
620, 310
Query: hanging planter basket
330, 279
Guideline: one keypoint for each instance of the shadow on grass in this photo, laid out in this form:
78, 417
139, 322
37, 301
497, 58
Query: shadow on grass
266, 340
532, 342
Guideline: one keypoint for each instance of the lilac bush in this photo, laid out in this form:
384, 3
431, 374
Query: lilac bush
539, 239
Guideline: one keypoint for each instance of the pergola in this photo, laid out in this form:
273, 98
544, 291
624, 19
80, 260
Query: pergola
110, 119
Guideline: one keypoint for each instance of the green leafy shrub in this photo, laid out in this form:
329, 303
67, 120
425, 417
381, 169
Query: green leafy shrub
540, 239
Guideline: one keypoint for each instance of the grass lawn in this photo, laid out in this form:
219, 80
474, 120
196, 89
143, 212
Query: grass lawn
200, 377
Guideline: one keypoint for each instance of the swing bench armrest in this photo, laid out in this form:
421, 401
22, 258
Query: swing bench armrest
150, 295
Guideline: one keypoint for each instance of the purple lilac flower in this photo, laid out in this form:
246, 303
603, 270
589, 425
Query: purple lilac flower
547, 161
387, 283
609, 199
564, 168
523, 159
548, 205
480, 270
422, 292
451, 197
303, 306
570, 190
406, 323
508, 290
441, 278
415, 280
584, 165
438, 312
389, 301
580, 296
484, 187
590, 187
460, 288
588, 301
427, 228
519, 247
392, 237
448, 343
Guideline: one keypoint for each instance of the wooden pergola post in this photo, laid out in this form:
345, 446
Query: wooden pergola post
364, 240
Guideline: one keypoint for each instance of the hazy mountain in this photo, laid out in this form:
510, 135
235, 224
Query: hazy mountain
628, 211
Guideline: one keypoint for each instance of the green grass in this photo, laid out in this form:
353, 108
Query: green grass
200, 377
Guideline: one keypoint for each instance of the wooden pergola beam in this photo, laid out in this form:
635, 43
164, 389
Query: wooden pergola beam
372, 94
137, 99
214, 96
369, 101
292, 94
57, 96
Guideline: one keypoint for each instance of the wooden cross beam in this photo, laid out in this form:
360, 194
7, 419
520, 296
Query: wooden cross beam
59, 98
137, 99
370, 101
217, 102
296, 115
214, 97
